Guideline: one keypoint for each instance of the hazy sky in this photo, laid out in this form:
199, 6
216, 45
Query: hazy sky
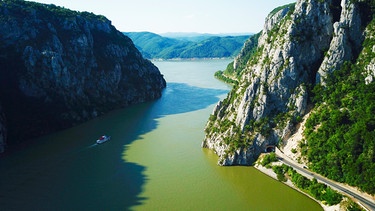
160, 16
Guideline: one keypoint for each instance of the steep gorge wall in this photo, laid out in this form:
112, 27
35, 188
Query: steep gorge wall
299, 44
347, 41
60, 67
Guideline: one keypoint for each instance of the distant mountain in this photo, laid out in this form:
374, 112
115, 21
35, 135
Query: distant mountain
154, 46
196, 37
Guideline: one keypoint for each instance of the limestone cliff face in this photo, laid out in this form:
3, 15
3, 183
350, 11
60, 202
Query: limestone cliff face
347, 40
273, 91
60, 67
370, 68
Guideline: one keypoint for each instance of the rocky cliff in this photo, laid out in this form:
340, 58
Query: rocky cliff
299, 46
60, 67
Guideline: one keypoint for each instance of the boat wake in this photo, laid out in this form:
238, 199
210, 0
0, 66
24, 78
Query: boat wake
92, 145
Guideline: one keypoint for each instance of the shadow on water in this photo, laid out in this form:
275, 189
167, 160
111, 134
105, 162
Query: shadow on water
177, 98
58, 173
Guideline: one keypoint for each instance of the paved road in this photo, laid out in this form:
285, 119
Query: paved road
368, 203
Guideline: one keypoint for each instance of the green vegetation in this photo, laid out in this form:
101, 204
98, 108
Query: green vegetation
277, 9
317, 190
154, 46
280, 172
312, 187
269, 158
352, 206
220, 75
237, 140
232, 74
341, 132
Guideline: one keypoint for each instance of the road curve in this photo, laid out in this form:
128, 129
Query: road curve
368, 203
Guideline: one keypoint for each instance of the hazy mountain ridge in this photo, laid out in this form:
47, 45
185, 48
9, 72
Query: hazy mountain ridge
60, 67
154, 46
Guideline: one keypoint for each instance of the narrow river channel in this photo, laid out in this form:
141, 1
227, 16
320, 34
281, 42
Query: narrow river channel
153, 161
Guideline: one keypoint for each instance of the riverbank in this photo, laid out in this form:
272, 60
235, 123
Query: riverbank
290, 146
269, 172
290, 150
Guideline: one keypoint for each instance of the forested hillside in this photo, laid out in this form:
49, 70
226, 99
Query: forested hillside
312, 56
154, 46
340, 133
234, 69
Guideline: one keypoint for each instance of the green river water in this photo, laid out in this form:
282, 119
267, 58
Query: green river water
153, 162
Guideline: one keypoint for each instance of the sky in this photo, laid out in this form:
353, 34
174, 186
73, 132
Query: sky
162, 16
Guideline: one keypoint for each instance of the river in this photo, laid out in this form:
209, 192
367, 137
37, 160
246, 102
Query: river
153, 161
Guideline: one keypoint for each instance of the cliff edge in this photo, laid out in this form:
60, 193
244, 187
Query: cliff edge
60, 67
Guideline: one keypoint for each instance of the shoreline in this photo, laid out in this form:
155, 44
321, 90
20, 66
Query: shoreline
290, 144
272, 174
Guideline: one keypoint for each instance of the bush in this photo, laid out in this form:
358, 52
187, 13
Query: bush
269, 158
280, 172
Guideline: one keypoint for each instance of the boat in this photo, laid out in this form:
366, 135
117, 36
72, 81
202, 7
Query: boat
103, 139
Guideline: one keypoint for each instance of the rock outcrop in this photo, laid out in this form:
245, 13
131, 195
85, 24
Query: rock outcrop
60, 67
274, 87
347, 41
370, 68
